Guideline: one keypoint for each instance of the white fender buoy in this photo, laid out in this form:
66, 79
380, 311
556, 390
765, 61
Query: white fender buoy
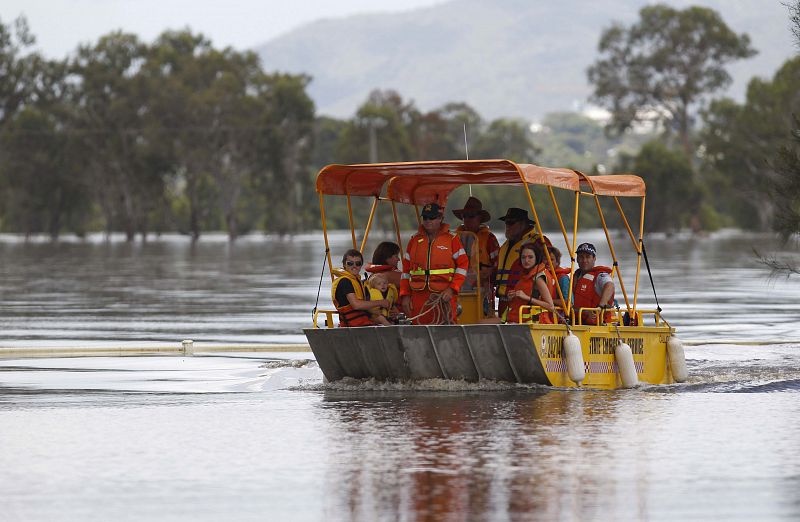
188, 347
574, 357
677, 360
625, 366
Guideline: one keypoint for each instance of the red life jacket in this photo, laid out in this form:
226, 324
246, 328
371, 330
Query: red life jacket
347, 315
586, 296
377, 269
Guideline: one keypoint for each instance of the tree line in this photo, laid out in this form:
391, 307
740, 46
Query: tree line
177, 135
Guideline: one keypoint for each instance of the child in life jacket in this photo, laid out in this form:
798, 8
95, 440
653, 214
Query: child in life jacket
379, 288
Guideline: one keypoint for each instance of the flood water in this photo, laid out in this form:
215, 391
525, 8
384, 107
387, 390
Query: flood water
255, 436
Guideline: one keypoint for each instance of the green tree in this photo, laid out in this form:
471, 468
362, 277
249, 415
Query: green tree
109, 105
740, 140
289, 119
380, 131
661, 66
17, 64
786, 186
43, 189
668, 174
507, 139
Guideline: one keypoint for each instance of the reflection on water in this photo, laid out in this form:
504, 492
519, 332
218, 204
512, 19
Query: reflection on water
246, 437
262, 290
559, 455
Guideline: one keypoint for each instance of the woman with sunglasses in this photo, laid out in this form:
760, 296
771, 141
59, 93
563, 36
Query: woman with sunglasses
349, 296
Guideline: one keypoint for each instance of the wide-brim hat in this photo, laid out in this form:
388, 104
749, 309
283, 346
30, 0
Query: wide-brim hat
473, 204
517, 214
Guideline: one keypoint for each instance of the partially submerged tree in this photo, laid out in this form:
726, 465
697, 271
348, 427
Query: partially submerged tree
741, 140
659, 68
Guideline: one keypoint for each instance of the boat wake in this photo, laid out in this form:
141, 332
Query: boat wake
729, 368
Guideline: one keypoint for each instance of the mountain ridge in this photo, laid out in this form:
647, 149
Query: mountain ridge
507, 58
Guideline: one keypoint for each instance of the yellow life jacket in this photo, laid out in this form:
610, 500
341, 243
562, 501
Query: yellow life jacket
347, 315
391, 296
507, 273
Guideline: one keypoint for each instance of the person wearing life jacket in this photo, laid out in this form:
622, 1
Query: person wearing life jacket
379, 288
473, 217
533, 286
384, 261
434, 264
562, 279
349, 296
519, 230
592, 285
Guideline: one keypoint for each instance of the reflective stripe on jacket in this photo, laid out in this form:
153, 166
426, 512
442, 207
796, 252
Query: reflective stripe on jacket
488, 246
434, 265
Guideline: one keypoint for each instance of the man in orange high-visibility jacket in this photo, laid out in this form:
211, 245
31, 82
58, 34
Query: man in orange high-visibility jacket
434, 263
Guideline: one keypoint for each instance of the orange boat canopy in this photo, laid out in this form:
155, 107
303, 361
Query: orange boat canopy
418, 183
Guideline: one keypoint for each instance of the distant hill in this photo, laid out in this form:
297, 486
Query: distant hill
516, 58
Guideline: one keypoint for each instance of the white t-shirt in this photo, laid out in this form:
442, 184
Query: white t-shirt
600, 281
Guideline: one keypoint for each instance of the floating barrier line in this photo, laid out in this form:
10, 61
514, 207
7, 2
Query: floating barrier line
8, 352
16, 352
740, 342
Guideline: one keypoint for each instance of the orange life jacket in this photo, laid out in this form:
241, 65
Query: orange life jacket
347, 315
585, 294
485, 257
527, 283
435, 265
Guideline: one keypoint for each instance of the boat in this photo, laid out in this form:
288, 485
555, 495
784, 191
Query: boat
637, 347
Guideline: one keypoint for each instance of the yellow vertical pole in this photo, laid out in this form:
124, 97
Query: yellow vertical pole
350, 215
541, 234
639, 257
613, 253
325, 234
396, 225
625, 221
558, 213
572, 250
546, 251
369, 225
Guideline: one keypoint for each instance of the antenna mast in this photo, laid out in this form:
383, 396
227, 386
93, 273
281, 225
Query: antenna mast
466, 150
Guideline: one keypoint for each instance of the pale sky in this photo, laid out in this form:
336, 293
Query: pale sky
61, 25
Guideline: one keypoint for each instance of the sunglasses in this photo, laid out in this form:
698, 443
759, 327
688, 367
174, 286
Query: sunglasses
511, 222
354, 263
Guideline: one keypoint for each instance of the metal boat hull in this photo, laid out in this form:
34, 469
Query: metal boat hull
519, 353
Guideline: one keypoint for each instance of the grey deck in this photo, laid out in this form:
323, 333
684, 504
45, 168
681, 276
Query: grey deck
470, 353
